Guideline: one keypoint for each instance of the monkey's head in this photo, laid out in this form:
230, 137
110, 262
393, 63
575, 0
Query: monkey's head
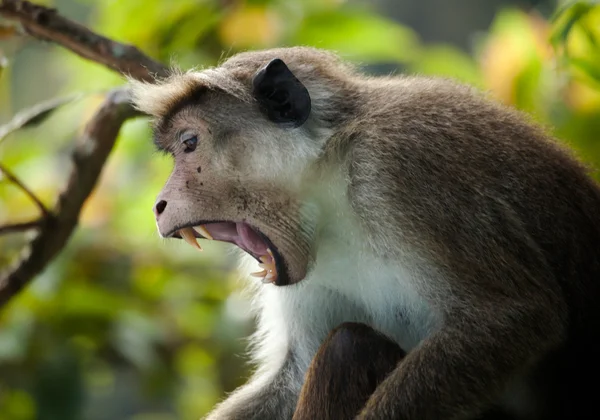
245, 137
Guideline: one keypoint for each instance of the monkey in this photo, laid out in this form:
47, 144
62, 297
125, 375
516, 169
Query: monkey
454, 225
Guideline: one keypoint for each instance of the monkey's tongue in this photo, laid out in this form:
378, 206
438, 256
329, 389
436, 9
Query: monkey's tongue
240, 234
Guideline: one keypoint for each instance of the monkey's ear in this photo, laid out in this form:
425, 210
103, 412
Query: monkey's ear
280, 95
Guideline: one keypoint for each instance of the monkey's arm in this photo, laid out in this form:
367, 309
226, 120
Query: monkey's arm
455, 374
501, 313
351, 362
267, 396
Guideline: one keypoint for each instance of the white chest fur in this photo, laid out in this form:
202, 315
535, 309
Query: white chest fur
348, 285
347, 282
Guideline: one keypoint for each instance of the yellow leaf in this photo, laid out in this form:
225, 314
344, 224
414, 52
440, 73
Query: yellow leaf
582, 97
515, 41
249, 27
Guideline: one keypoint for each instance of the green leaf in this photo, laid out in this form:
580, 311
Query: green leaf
527, 85
358, 35
84, 300
566, 19
16, 405
447, 61
589, 68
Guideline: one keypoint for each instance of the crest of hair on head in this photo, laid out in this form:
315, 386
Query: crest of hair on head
158, 97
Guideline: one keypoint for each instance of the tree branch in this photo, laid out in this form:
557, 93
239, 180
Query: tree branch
88, 158
92, 148
11, 177
20, 227
46, 24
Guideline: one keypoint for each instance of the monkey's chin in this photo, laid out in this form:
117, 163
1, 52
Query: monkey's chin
247, 238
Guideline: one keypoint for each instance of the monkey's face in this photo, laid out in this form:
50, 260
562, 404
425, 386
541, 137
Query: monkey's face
236, 172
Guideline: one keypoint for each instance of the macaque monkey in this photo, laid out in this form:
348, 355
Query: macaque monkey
419, 251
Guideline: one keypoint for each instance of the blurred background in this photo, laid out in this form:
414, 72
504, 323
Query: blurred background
124, 325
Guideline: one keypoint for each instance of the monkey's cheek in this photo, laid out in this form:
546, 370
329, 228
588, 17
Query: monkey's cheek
292, 259
297, 271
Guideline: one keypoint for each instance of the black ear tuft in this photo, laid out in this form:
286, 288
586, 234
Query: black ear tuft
281, 96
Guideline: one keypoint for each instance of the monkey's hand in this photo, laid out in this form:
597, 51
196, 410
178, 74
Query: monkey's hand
458, 371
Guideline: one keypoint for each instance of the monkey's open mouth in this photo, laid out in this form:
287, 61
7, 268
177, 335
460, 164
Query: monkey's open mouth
246, 238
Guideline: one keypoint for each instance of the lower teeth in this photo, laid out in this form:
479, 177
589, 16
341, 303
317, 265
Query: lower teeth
268, 274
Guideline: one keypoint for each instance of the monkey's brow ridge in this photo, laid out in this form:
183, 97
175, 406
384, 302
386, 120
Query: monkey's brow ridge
158, 144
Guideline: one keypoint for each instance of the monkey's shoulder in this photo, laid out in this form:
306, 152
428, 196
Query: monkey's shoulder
438, 154
429, 126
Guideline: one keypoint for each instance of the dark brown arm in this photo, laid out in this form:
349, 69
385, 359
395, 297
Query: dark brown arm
352, 361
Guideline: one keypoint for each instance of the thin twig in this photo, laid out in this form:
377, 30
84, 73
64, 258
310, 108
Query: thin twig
21, 227
35, 114
12, 178
46, 24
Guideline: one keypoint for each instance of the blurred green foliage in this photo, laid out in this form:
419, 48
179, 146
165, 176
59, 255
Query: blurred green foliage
123, 325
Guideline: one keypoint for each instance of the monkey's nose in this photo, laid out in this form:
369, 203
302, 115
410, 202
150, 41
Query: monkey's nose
159, 207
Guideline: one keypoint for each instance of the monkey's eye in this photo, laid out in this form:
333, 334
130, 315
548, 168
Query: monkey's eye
189, 140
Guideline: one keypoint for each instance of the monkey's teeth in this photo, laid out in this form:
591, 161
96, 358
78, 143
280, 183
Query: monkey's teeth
268, 266
259, 273
188, 235
269, 272
203, 231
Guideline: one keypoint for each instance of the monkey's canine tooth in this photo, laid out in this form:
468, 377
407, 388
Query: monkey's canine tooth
267, 266
203, 231
259, 273
188, 235
269, 272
